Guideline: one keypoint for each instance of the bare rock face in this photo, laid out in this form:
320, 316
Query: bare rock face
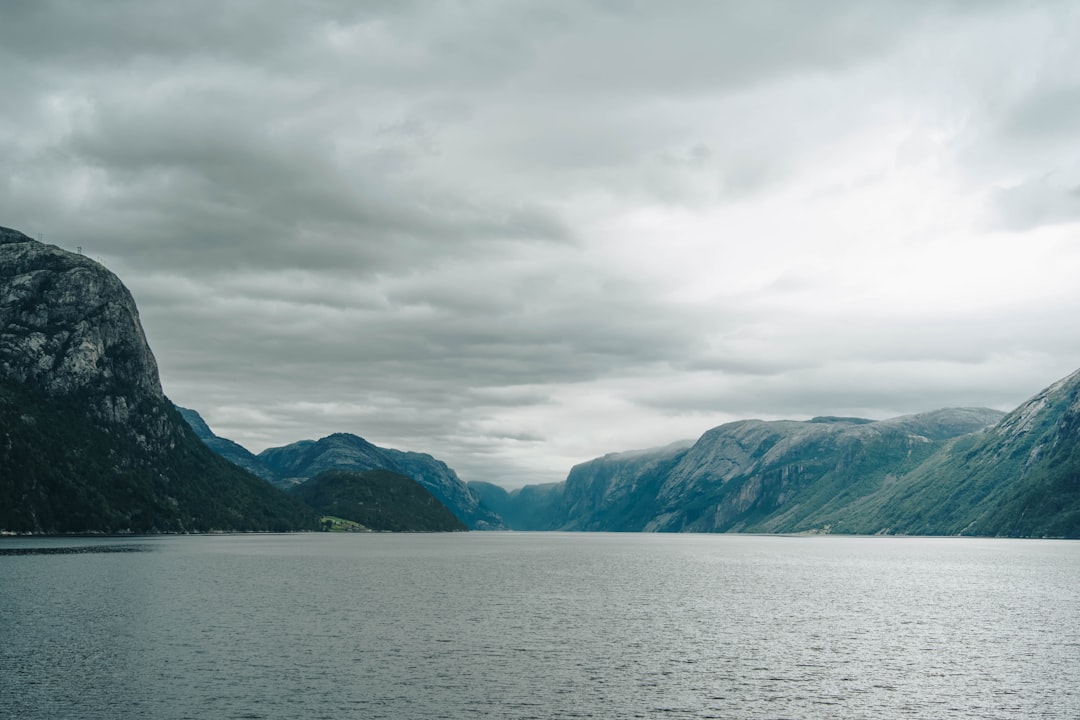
70, 331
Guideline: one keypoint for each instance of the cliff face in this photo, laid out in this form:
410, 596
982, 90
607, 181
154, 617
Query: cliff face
88, 441
826, 474
797, 476
617, 492
70, 331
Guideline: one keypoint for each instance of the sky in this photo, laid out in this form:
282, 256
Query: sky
520, 235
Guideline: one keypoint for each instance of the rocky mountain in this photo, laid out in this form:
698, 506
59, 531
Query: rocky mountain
379, 500
69, 331
299, 461
751, 476
88, 441
785, 476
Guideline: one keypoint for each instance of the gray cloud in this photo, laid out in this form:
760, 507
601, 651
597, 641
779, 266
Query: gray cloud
518, 235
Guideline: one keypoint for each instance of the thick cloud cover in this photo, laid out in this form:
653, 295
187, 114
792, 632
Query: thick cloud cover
518, 235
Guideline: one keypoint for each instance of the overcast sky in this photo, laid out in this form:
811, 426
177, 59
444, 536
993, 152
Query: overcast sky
519, 235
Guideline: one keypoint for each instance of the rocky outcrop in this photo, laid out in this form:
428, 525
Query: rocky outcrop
69, 330
88, 441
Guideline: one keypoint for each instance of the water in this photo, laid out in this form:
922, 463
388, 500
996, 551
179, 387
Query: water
523, 625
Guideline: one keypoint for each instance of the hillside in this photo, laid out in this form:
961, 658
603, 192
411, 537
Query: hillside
1019, 479
299, 461
379, 500
90, 442
827, 474
233, 452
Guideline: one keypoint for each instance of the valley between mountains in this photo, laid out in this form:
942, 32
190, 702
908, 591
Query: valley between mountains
90, 443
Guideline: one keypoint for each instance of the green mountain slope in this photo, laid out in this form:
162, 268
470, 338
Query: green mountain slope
1021, 478
343, 451
61, 474
378, 500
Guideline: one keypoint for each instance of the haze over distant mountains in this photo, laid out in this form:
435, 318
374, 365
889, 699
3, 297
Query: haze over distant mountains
89, 443
294, 464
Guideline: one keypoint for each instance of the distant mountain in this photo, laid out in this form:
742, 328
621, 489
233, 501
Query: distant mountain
829, 474
527, 508
379, 500
90, 443
788, 476
299, 461
233, 452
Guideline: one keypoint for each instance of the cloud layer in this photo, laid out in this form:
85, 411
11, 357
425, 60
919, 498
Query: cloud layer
519, 235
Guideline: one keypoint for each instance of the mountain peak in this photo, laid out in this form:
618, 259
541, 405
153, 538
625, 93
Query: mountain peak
8, 235
69, 329
92, 444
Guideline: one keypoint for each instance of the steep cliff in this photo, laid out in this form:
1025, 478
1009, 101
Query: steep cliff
88, 441
69, 330
617, 492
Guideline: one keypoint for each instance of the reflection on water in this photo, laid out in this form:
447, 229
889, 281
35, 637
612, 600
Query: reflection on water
72, 549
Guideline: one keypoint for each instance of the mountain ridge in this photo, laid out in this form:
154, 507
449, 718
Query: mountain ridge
344, 451
953, 471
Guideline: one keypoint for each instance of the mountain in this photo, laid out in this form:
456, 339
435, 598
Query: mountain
379, 500
788, 476
1021, 478
234, 452
818, 475
613, 493
295, 466
90, 442
299, 461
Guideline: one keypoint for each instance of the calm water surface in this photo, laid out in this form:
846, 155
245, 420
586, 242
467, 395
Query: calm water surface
522, 625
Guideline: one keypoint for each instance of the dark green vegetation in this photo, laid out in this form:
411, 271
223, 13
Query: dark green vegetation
330, 523
233, 452
61, 474
344, 451
378, 500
